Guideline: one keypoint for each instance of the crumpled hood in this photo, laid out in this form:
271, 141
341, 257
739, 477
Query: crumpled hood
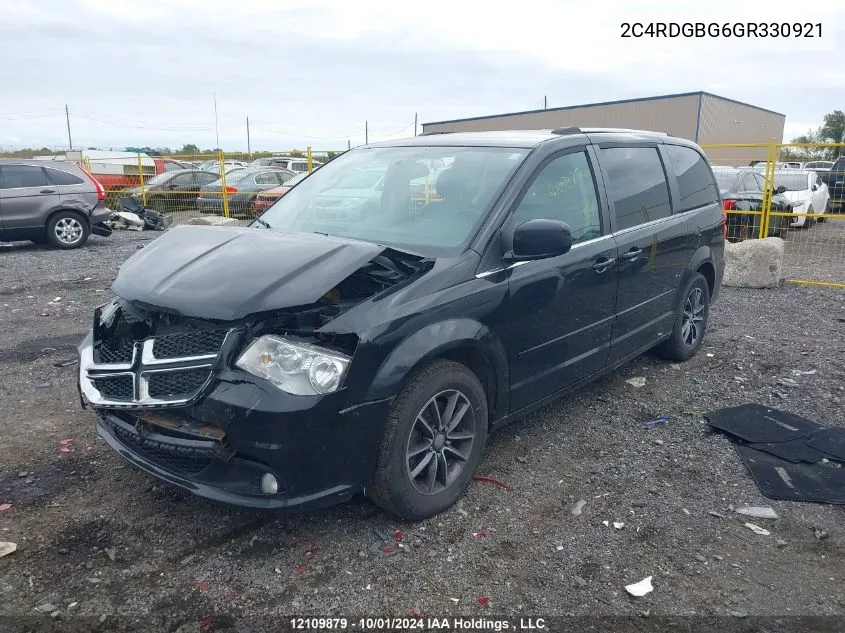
227, 273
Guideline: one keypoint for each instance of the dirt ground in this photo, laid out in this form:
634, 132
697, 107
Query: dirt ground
97, 538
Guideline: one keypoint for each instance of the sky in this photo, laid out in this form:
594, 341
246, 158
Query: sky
320, 72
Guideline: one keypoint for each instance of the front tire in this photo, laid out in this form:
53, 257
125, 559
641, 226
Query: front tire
67, 229
690, 322
434, 438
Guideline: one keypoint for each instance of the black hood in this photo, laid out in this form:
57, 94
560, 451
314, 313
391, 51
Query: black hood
226, 273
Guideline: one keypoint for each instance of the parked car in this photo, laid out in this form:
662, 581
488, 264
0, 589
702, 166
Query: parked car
173, 190
291, 163
835, 181
228, 166
818, 165
301, 360
806, 192
241, 187
264, 199
741, 190
57, 203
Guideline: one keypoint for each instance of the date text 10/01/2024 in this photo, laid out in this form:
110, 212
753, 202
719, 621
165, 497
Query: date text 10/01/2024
417, 623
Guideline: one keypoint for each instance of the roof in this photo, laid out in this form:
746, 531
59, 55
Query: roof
606, 103
519, 138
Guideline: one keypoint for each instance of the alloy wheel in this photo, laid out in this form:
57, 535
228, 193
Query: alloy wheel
68, 230
440, 442
691, 327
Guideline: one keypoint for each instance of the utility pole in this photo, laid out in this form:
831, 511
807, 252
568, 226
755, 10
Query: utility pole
67, 118
348, 144
366, 132
216, 128
248, 146
545, 102
415, 123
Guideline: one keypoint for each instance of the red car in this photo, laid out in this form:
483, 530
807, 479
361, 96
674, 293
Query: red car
266, 198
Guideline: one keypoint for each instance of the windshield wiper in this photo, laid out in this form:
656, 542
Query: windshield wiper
262, 223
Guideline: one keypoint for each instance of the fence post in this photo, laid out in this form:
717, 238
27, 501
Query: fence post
310, 159
223, 187
771, 160
141, 176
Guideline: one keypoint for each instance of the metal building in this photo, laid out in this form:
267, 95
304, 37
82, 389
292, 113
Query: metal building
698, 116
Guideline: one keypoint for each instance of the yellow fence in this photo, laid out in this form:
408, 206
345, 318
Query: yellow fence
787, 190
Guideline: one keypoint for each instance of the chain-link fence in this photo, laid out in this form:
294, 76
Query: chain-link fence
797, 193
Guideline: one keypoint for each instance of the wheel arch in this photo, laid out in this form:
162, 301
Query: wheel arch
464, 341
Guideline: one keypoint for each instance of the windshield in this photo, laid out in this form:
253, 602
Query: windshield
792, 182
405, 208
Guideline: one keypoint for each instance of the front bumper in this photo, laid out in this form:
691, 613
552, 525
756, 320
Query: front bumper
219, 444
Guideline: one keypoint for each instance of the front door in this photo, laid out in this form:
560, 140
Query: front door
654, 247
561, 308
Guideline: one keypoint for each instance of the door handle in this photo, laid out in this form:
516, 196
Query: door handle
48, 191
603, 264
633, 254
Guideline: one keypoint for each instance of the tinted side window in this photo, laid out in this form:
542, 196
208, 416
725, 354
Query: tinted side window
16, 176
564, 190
182, 180
747, 182
59, 177
205, 178
636, 185
695, 183
172, 166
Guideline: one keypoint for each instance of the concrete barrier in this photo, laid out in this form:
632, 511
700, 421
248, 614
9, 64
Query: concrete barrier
753, 263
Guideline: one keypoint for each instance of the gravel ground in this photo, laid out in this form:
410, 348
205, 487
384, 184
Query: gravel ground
126, 545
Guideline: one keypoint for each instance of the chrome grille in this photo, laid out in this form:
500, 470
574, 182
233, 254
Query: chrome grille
163, 371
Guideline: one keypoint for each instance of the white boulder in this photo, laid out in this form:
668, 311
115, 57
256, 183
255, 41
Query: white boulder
753, 263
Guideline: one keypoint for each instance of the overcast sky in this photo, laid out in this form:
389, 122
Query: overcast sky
311, 72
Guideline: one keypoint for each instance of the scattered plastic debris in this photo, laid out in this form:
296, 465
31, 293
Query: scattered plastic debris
491, 480
606, 523
798, 372
758, 512
710, 355
5, 506
415, 613
455, 600
618, 525
639, 589
483, 601
66, 363
302, 569
388, 549
205, 623
7, 548
111, 552
578, 581
483, 533
685, 511
47, 607
713, 513
820, 533
663, 419
578, 508
757, 529
788, 382
399, 536
202, 586
636, 381
64, 445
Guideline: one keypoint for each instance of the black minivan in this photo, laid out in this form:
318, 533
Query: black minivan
311, 356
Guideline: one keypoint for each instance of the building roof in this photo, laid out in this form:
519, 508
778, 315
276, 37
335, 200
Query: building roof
605, 103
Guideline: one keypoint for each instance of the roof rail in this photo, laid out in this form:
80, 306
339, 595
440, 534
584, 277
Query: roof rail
566, 130
432, 133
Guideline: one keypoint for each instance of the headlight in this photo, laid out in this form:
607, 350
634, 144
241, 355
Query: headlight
297, 368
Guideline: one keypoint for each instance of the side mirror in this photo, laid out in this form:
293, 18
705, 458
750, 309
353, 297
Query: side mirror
815, 187
539, 239
780, 189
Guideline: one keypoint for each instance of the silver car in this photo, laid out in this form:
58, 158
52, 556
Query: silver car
56, 203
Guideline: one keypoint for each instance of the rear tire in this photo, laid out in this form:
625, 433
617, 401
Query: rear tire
434, 438
690, 322
67, 229
808, 222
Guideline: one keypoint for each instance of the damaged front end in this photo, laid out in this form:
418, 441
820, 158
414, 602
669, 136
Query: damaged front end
245, 410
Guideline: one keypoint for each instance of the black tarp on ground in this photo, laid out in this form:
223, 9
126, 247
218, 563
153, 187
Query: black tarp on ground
784, 452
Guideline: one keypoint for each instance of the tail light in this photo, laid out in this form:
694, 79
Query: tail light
231, 189
729, 205
101, 192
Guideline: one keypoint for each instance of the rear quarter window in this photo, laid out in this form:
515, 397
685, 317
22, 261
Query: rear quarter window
695, 183
59, 177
